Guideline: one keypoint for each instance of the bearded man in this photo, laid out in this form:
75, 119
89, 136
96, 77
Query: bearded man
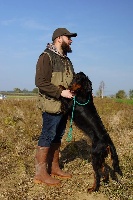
53, 68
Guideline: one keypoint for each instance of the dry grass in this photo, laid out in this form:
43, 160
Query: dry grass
19, 131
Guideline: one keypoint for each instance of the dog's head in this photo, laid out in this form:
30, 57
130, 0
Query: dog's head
81, 83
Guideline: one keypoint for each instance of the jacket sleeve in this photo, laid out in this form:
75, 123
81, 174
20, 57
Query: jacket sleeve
43, 77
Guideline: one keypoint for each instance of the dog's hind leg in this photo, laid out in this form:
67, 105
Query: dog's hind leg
114, 158
105, 173
96, 183
97, 176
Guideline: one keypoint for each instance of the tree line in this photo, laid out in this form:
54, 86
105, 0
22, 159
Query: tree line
18, 90
121, 94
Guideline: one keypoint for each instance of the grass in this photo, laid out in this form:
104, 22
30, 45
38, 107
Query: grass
19, 131
127, 101
19, 97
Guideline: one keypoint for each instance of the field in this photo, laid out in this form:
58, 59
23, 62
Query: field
19, 131
127, 101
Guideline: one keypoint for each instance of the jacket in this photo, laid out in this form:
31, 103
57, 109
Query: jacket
52, 70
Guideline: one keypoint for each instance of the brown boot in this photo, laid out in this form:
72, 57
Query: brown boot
42, 175
53, 162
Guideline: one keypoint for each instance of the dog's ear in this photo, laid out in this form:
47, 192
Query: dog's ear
89, 86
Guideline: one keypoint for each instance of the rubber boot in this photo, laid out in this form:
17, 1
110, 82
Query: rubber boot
53, 162
41, 175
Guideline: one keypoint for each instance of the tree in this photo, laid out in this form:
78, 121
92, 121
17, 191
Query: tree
35, 90
98, 93
25, 90
121, 94
131, 94
101, 89
17, 90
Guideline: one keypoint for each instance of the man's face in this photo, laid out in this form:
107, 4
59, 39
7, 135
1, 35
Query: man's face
66, 42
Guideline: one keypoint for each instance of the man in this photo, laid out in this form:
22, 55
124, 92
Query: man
53, 69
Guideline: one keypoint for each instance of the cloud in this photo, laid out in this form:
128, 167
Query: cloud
25, 23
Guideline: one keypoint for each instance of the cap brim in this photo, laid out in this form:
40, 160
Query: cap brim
71, 34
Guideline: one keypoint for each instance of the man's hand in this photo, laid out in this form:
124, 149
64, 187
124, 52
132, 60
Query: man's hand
67, 94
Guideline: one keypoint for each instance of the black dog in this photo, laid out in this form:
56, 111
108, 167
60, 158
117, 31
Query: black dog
87, 119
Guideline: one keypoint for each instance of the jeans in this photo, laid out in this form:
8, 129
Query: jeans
53, 129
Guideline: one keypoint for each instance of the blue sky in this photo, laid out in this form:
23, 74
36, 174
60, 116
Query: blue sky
103, 48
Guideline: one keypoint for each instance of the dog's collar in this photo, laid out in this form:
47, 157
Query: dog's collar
80, 104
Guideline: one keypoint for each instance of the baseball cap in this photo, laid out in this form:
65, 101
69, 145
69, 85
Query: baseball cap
62, 31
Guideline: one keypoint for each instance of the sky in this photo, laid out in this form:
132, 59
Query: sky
103, 48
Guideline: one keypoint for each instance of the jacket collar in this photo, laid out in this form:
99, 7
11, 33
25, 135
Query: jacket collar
52, 47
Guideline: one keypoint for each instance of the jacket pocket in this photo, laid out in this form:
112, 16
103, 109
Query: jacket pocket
48, 104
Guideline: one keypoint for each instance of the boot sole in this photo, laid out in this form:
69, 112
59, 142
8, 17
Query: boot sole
61, 177
48, 184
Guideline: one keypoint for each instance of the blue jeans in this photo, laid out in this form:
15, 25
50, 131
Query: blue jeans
53, 129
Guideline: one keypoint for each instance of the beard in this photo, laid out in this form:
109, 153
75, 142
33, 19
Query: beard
66, 48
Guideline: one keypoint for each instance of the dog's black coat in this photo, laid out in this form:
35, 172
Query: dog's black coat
87, 119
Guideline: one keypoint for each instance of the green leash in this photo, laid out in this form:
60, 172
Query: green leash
69, 136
